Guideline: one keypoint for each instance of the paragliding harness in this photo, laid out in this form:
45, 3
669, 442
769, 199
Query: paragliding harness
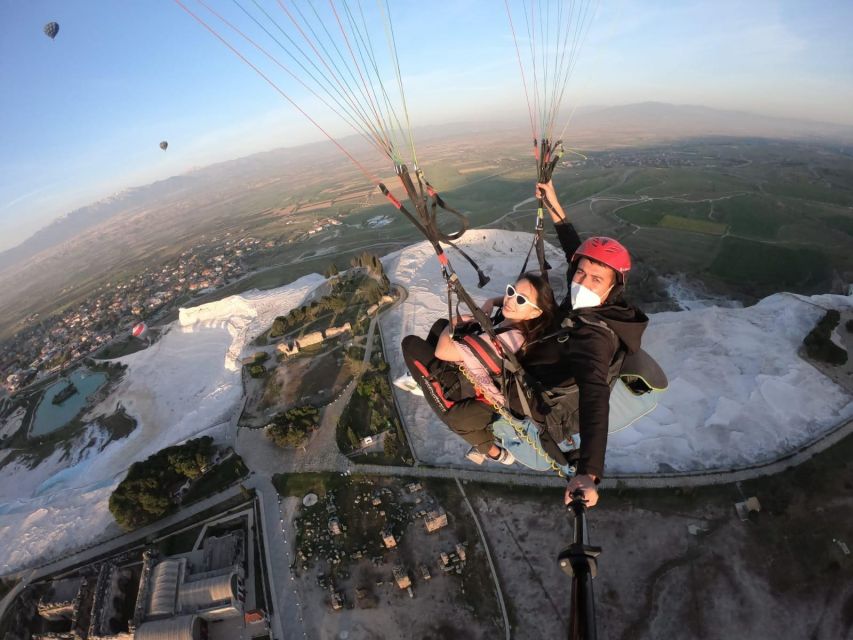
559, 404
426, 201
562, 403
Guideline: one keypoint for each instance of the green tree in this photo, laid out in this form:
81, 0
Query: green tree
291, 428
337, 304
353, 439
279, 327
389, 446
145, 493
377, 421
286, 436
257, 370
819, 344
364, 388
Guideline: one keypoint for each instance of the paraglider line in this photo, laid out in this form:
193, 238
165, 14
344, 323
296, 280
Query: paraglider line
361, 167
381, 137
521, 68
336, 74
386, 113
392, 45
367, 91
389, 106
346, 112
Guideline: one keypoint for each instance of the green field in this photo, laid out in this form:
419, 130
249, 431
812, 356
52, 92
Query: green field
651, 213
691, 183
674, 251
757, 216
640, 181
842, 223
757, 265
583, 186
298, 484
644, 214
802, 188
691, 224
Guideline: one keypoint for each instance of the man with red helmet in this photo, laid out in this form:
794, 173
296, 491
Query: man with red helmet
597, 325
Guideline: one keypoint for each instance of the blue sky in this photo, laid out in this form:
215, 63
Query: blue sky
81, 116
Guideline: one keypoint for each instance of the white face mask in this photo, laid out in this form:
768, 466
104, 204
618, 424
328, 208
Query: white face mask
583, 298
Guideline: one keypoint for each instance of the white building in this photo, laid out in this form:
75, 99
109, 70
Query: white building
181, 628
211, 595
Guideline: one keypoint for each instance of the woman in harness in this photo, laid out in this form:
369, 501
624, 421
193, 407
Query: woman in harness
598, 327
527, 312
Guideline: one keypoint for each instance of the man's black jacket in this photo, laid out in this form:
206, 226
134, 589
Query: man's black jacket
583, 356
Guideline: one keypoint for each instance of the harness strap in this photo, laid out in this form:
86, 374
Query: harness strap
568, 325
547, 156
428, 226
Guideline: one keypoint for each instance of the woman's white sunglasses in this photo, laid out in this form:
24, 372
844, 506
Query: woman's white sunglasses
520, 298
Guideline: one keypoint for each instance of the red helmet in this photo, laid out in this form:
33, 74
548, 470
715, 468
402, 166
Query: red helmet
608, 252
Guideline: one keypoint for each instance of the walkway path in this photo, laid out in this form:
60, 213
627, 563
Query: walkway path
489, 557
517, 475
284, 614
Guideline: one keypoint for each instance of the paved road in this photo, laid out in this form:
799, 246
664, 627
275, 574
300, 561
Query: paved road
284, 615
498, 590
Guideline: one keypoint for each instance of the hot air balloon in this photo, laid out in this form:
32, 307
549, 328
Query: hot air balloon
139, 330
164, 145
51, 29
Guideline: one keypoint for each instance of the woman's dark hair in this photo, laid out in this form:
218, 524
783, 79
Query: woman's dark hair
535, 328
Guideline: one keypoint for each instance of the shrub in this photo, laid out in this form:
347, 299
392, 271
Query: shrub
279, 327
257, 370
819, 344
291, 428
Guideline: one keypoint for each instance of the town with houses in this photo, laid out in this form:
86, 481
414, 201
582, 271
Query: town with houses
655, 157
46, 344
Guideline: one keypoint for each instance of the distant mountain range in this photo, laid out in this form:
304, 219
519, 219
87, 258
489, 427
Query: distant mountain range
676, 121
79, 220
631, 124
